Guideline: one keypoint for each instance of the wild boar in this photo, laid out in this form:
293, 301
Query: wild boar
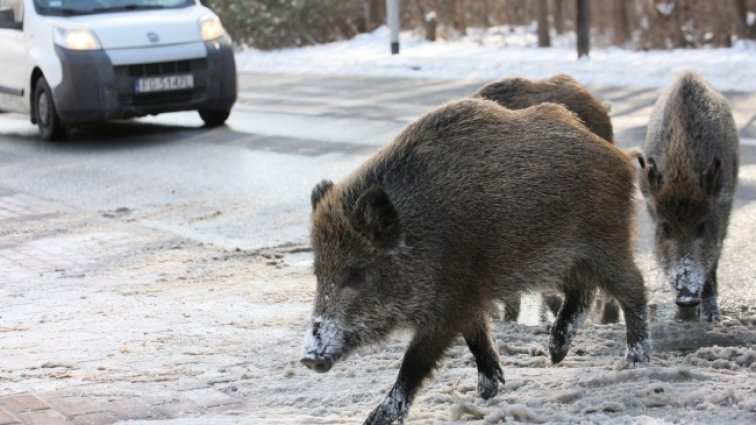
470, 204
692, 154
520, 93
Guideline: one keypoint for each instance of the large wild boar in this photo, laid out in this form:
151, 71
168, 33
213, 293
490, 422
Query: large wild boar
691, 151
470, 204
521, 93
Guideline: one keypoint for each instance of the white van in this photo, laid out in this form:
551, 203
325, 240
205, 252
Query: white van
70, 62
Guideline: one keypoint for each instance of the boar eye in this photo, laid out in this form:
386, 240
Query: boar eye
353, 277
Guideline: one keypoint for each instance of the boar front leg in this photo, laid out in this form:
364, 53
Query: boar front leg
709, 305
478, 339
570, 316
421, 357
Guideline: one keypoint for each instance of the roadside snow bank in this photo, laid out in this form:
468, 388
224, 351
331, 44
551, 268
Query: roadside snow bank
500, 52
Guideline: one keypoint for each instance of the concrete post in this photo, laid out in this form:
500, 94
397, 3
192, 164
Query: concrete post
392, 18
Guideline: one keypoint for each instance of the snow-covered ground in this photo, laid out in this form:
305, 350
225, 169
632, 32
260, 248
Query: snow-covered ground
138, 314
501, 52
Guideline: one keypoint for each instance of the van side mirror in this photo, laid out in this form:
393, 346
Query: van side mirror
8, 19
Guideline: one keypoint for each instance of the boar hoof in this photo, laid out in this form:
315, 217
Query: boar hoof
391, 412
488, 386
710, 309
320, 366
559, 342
638, 353
558, 354
380, 416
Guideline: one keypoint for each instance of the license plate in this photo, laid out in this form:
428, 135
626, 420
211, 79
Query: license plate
167, 83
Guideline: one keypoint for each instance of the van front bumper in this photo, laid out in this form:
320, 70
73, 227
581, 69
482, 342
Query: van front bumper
93, 89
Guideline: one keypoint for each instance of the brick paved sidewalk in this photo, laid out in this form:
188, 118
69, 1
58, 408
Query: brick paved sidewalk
69, 407
103, 319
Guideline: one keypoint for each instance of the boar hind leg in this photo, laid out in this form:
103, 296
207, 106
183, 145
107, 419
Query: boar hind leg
512, 308
478, 338
578, 295
709, 305
419, 360
609, 310
626, 286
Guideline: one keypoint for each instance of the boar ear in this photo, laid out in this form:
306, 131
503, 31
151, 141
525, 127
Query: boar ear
637, 154
376, 218
319, 190
653, 174
711, 180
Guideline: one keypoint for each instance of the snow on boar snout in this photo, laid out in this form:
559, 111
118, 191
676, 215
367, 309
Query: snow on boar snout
687, 278
323, 345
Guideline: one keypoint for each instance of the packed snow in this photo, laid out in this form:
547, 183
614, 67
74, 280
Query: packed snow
162, 316
500, 52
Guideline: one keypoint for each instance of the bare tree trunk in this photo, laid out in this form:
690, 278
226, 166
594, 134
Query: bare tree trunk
677, 21
543, 24
583, 27
742, 29
600, 16
621, 34
460, 21
665, 20
429, 18
377, 12
558, 17
486, 14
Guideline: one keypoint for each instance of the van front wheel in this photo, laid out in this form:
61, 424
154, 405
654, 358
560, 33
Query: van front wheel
50, 127
214, 117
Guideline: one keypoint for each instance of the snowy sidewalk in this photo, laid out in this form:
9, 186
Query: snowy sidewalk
107, 321
103, 320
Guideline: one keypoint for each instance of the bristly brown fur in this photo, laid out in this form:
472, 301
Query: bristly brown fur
521, 93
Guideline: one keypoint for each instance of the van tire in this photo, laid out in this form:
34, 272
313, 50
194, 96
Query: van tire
50, 127
214, 117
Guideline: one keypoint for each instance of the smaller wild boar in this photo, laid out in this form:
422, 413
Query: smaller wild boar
521, 93
692, 154
470, 204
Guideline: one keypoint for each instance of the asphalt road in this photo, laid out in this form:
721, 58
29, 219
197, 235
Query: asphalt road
247, 184
154, 269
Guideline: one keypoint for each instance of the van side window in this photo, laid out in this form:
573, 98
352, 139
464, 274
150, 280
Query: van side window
11, 13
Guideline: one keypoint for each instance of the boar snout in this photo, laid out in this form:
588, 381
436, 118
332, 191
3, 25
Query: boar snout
687, 279
323, 345
318, 365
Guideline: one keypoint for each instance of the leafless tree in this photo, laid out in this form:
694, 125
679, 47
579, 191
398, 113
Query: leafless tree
460, 20
621, 30
742, 29
543, 24
559, 16
583, 27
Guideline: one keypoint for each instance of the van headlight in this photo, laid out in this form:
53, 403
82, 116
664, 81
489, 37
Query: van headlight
211, 28
76, 39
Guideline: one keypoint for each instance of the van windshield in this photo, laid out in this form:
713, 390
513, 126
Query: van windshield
88, 7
